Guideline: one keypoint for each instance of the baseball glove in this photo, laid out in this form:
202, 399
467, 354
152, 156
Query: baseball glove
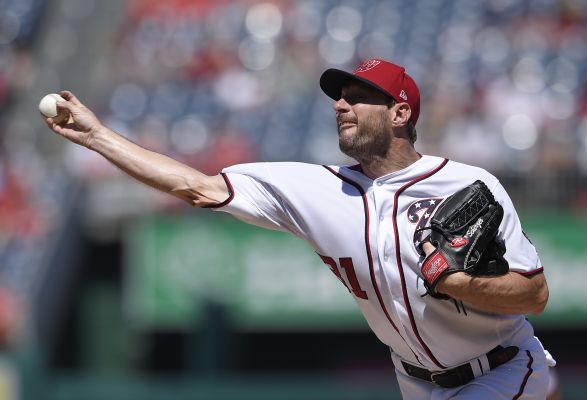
464, 232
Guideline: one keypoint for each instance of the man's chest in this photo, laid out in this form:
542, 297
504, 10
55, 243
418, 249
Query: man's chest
371, 238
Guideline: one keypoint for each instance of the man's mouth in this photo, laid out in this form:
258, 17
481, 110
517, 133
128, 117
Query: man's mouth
346, 124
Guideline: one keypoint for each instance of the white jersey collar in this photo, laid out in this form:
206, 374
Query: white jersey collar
422, 165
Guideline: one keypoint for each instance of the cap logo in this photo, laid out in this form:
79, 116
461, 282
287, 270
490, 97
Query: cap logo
367, 65
403, 95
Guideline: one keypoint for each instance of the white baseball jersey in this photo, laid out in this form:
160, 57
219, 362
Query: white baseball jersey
366, 232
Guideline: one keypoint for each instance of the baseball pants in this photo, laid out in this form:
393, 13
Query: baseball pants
526, 376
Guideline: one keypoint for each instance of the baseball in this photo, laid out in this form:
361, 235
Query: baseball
48, 108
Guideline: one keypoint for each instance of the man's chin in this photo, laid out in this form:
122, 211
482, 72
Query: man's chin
348, 149
346, 134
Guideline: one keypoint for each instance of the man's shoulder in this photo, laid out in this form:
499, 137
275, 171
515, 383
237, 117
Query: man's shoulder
461, 169
451, 176
271, 166
275, 172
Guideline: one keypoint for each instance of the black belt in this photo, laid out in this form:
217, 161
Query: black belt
463, 373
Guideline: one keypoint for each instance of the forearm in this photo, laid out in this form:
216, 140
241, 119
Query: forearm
511, 293
156, 170
153, 169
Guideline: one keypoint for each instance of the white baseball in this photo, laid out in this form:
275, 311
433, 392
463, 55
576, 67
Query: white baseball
48, 108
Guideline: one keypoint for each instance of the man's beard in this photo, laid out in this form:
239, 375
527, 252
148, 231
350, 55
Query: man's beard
371, 139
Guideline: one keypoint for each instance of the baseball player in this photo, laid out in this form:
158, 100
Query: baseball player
452, 334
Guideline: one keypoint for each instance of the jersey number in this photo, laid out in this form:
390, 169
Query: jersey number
346, 263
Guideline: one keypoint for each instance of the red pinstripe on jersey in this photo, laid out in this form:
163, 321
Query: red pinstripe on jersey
399, 259
367, 242
368, 249
525, 381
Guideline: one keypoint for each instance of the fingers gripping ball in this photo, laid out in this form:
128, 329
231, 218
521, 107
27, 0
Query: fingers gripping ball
48, 108
464, 232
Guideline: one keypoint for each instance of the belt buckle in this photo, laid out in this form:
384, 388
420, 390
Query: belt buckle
434, 374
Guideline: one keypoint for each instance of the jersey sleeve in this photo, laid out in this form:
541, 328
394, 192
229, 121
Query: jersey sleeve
521, 254
254, 200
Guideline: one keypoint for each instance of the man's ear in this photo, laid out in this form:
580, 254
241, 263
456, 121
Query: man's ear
401, 113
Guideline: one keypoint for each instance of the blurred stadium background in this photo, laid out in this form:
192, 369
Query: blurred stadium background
109, 290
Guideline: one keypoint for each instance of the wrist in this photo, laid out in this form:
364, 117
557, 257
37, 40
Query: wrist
452, 284
96, 135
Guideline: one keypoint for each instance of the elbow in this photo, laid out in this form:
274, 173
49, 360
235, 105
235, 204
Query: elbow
192, 198
186, 196
195, 191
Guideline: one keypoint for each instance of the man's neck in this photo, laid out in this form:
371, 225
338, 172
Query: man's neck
401, 154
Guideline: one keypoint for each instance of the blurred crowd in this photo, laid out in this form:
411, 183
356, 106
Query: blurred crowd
23, 222
214, 83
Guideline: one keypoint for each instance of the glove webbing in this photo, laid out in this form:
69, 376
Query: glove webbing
468, 213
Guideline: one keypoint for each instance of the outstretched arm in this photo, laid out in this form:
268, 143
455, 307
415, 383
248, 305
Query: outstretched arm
154, 169
511, 293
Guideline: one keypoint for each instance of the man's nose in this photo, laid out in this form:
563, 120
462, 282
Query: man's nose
341, 105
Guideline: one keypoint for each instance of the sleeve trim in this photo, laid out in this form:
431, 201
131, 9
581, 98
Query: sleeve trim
532, 272
230, 191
